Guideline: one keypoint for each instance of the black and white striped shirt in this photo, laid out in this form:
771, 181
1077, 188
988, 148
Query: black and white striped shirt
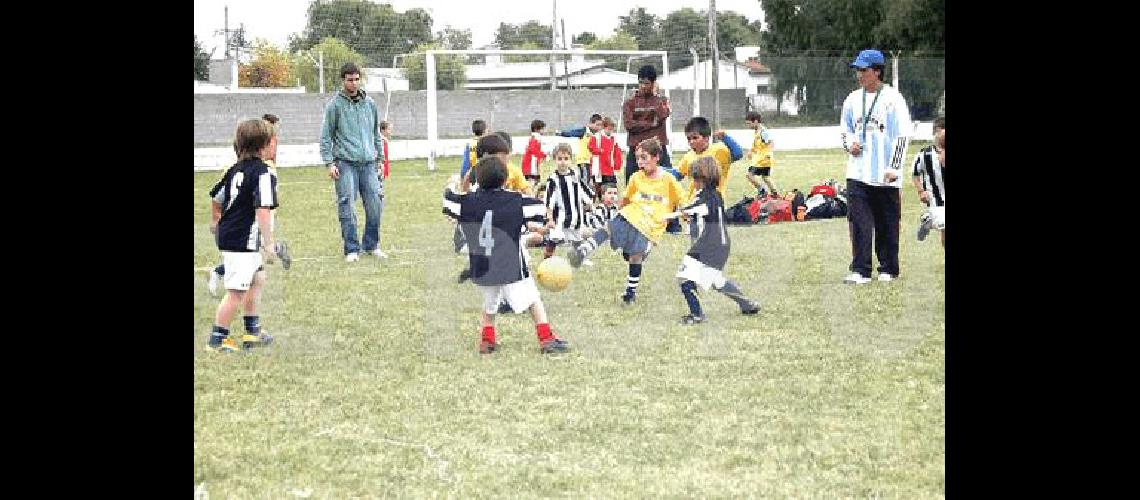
602, 215
247, 186
933, 173
565, 196
491, 222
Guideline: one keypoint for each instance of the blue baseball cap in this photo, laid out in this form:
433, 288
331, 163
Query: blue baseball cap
867, 58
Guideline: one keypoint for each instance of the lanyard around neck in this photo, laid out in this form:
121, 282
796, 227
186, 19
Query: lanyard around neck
867, 112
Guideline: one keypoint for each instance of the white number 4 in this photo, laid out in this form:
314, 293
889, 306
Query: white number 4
486, 240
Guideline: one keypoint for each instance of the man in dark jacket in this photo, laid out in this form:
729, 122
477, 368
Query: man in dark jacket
643, 116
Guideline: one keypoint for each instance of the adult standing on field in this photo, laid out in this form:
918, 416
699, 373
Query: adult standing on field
876, 128
351, 146
643, 116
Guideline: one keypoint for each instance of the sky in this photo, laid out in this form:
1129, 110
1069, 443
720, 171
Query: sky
275, 20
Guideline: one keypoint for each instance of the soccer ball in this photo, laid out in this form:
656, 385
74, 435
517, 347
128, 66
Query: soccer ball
554, 273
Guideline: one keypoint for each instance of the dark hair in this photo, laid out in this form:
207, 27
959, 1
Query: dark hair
651, 146
706, 170
270, 118
608, 185
251, 137
349, 68
647, 72
939, 122
506, 138
478, 127
595, 117
537, 125
753, 116
700, 125
881, 68
608, 122
489, 145
384, 124
490, 172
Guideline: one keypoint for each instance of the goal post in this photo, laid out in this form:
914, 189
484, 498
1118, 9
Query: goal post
430, 70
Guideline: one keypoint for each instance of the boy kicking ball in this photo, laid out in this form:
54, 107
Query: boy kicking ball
492, 220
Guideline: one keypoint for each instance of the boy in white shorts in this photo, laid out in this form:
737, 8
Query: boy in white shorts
245, 235
492, 220
703, 265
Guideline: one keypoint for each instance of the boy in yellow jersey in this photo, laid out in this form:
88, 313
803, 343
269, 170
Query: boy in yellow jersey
760, 156
698, 132
479, 128
649, 197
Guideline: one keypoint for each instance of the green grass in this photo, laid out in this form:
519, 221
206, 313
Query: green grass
374, 388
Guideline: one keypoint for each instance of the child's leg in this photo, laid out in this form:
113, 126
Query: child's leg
250, 301
224, 315
942, 235
252, 321
689, 290
583, 250
768, 181
634, 279
549, 342
548, 250
747, 306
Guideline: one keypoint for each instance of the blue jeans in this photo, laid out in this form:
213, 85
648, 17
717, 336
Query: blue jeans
359, 178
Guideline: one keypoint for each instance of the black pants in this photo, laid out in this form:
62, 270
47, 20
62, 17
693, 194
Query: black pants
873, 212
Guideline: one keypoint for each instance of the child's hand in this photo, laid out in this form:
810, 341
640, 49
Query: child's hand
213, 228
719, 135
924, 196
267, 254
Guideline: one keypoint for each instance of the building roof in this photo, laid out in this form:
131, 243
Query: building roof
524, 70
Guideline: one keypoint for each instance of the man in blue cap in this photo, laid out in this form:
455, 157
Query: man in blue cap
876, 129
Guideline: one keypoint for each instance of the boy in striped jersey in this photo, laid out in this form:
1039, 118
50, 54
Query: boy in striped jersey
567, 201
929, 181
244, 200
876, 128
584, 134
606, 210
650, 195
493, 219
703, 264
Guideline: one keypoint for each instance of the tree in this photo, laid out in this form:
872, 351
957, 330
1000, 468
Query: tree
620, 40
680, 30
374, 30
811, 42
270, 67
201, 61
335, 53
585, 38
454, 39
530, 35
643, 27
450, 70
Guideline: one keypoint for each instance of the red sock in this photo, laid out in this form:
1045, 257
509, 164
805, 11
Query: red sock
543, 331
489, 334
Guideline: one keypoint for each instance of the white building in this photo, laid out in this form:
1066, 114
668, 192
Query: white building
750, 75
374, 79
578, 72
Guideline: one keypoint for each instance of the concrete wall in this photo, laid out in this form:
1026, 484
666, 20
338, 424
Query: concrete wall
297, 155
216, 115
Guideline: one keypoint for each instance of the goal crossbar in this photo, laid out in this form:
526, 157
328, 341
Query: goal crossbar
429, 66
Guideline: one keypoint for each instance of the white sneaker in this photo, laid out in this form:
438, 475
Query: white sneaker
886, 277
379, 253
856, 279
352, 257
212, 284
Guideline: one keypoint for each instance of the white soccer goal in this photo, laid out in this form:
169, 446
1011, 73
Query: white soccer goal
430, 69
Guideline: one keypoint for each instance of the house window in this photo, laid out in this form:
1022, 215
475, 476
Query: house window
761, 89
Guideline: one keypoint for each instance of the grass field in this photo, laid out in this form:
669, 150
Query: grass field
374, 387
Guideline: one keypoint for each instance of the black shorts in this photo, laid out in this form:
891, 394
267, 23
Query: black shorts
765, 171
612, 179
531, 177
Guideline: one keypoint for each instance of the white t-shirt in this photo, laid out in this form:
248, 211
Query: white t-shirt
880, 123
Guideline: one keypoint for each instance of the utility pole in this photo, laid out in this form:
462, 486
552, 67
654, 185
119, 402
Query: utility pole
565, 65
553, 42
714, 59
